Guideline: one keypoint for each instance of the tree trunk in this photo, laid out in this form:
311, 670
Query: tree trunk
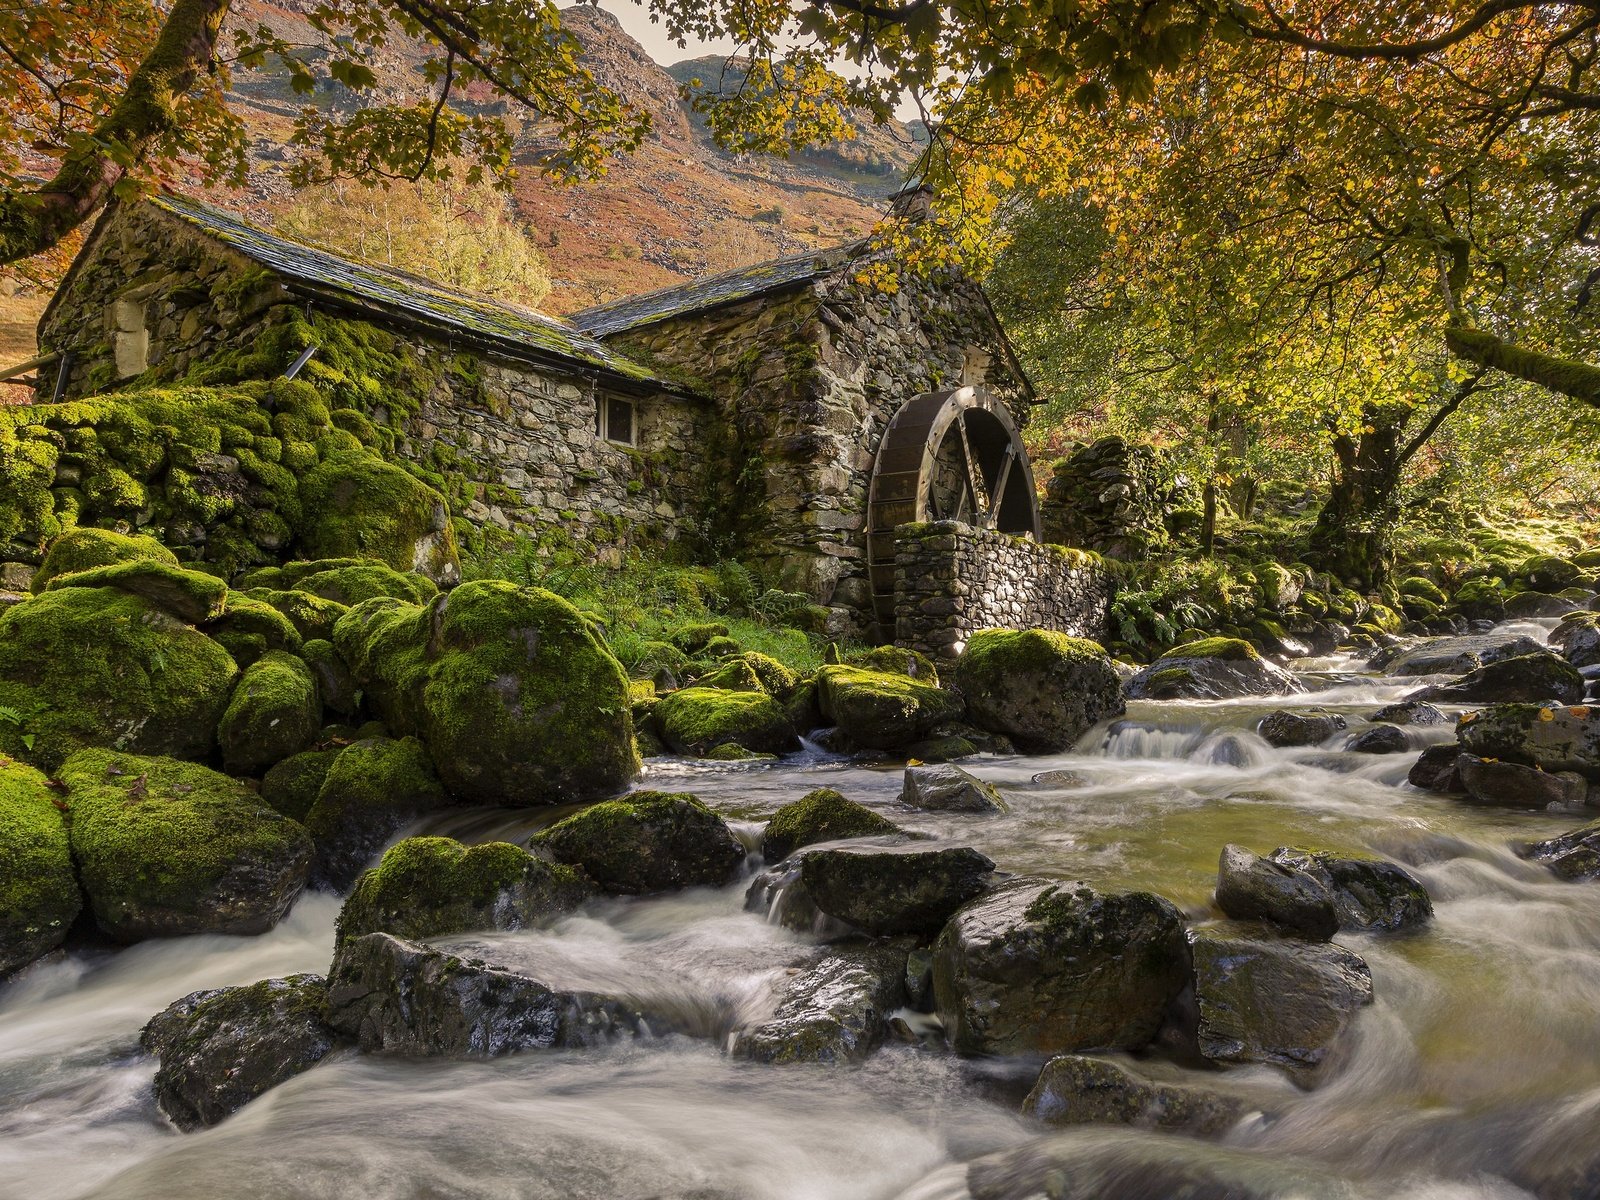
33, 222
1353, 531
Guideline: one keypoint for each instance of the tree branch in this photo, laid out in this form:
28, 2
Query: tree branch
1279, 30
1564, 376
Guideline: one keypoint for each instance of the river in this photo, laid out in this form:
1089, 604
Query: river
1478, 1064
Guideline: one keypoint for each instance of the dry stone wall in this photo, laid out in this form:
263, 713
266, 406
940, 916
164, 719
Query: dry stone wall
952, 580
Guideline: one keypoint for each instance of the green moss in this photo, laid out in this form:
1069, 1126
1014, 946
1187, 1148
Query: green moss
516, 697
83, 549
820, 816
646, 842
883, 710
696, 720
720, 647
39, 896
1418, 588
996, 653
291, 786
898, 661
274, 713
357, 505
1169, 682
158, 842
346, 581
375, 787
775, 678
430, 886
103, 667
313, 616
193, 597
735, 675
249, 628
1227, 649
692, 639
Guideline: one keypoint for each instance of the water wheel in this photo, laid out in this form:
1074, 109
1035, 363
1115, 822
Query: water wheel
946, 456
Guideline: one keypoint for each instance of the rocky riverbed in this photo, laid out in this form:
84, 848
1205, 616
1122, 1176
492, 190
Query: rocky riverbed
1301, 1031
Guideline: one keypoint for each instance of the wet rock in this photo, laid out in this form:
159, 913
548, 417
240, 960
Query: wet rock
779, 894
1075, 1090
222, 1048
1268, 999
698, 720
883, 710
1578, 638
834, 1011
1250, 887
1303, 727
1409, 712
1111, 1165
374, 789
947, 788
1043, 690
167, 848
1528, 678
1496, 782
822, 815
1380, 739
1212, 669
1458, 655
39, 897
646, 842
1574, 855
893, 890
429, 886
1368, 893
1435, 769
398, 997
1551, 737
1039, 968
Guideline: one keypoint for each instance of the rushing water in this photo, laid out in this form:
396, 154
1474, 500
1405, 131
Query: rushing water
1478, 1065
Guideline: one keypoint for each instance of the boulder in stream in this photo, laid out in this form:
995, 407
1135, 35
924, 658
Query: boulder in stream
1435, 769
374, 789
822, 815
1215, 668
943, 787
223, 1047
1264, 998
1574, 855
646, 842
1037, 967
700, 720
429, 886
1495, 782
1409, 712
1458, 655
835, 1010
398, 997
1528, 678
1379, 739
1299, 727
1041, 689
1250, 887
887, 890
1077, 1090
1551, 737
883, 710
1368, 894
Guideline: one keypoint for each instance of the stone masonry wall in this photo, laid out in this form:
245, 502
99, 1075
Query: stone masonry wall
517, 444
808, 383
952, 580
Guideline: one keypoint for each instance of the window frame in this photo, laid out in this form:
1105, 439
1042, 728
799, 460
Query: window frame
602, 420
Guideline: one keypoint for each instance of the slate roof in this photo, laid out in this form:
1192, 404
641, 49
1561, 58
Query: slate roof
390, 293
712, 291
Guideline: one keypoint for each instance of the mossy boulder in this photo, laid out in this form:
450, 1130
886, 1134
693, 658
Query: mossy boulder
356, 504
1547, 573
517, 699
1368, 894
346, 581
103, 667
735, 675
166, 848
429, 886
1480, 599
1042, 968
881, 710
1215, 668
822, 815
646, 842
693, 639
39, 897
373, 789
1041, 689
249, 628
193, 597
1528, 678
697, 720
274, 713
312, 616
85, 548
336, 686
223, 1047
775, 678
291, 786
1550, 737
1415, 587
896, 660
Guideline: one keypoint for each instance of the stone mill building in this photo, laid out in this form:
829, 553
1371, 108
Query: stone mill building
860, 445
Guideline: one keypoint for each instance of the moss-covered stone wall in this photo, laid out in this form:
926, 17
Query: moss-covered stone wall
513, 448
807, 383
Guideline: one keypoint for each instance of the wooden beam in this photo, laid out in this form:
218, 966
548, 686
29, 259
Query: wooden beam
41, 360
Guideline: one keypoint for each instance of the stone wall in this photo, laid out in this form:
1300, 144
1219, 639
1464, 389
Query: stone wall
952, 580
808, 382
1109, 497
515, 447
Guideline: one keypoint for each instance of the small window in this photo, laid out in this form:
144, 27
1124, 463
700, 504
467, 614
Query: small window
617, 421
